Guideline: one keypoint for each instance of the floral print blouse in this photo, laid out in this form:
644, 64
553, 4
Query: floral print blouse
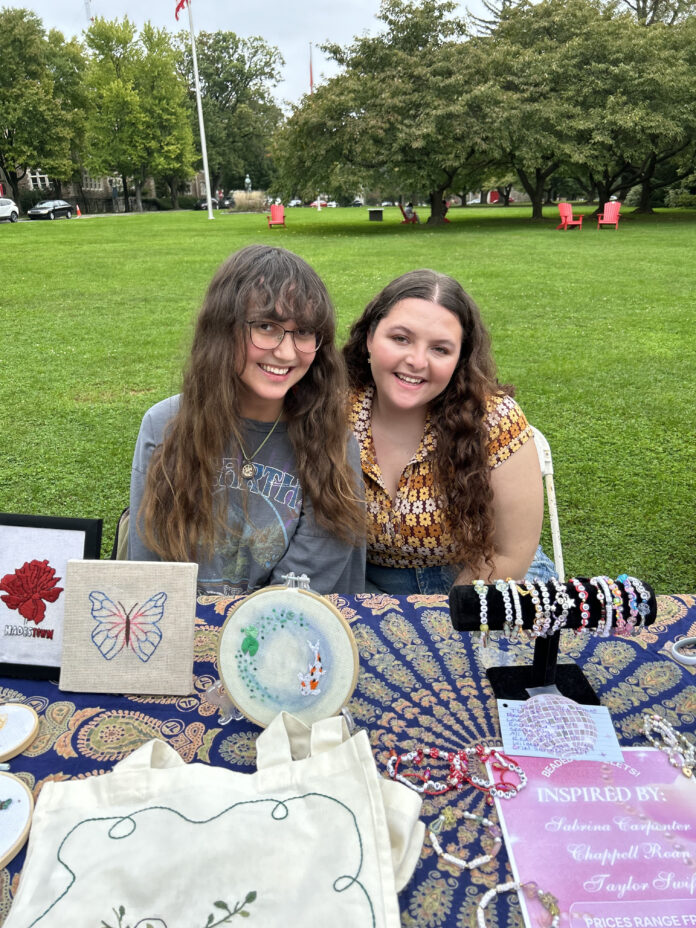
412, 529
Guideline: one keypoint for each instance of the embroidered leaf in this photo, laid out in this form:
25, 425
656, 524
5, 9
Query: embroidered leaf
211, 919
250, 896
244, 914
222, 905
250, 645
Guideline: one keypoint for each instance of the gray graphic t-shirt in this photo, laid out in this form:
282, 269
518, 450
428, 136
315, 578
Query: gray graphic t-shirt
272, 526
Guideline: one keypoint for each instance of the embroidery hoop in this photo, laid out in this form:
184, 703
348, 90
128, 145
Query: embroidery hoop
12, 840
19, 724
264, 649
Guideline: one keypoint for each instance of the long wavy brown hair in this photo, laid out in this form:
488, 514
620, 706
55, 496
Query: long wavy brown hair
178, 513
457, 415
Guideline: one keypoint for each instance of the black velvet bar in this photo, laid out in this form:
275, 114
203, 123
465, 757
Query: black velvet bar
514, 682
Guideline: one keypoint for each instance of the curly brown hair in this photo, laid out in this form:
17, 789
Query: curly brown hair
178, 513
457, 415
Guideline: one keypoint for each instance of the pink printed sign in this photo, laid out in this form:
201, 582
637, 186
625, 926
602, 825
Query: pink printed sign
614, 842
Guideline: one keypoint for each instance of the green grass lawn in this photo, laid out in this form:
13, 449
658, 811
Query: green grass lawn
595, 328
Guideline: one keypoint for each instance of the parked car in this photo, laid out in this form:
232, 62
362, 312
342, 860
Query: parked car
51, 209
316, 203
332, 204
8, 209
295, 202
203, 203
357, 202
387, 203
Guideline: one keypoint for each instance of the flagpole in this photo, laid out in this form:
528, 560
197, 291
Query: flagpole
204, 150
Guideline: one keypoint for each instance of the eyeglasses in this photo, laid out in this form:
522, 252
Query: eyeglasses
269, 335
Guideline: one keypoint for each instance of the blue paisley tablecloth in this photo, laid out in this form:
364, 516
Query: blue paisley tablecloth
421, 683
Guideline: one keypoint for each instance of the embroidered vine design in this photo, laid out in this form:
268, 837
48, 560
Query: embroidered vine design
123, 826
156, 922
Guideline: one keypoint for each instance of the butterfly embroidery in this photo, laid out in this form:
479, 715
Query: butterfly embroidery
136, 628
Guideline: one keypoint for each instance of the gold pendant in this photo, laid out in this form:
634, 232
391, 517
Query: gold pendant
248, 470
687, 771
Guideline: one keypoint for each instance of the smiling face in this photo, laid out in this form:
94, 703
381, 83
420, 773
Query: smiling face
414, 351
268, 374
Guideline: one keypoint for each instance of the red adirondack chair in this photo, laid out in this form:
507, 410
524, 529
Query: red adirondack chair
277, 217
408, 219
610, 216
568, 221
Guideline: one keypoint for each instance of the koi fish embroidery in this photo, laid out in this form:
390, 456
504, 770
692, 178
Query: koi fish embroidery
309, 682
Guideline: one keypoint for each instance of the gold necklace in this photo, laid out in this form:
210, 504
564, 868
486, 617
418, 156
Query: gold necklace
248, 470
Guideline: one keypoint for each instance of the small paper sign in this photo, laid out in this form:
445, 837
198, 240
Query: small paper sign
548, 726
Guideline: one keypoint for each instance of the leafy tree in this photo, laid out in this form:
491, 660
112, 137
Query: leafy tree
649, 12
116, 130
405, 113
34, 128
139, 122
236, 78
66, 63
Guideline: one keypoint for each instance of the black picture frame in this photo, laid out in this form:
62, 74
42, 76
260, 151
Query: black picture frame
11, 525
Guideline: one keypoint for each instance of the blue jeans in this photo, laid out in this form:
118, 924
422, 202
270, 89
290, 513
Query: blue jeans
406, 581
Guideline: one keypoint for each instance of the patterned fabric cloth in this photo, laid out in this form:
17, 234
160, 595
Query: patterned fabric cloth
413, 529
421, 684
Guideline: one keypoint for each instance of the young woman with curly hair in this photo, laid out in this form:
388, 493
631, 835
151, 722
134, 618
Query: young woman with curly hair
452, 477
251, 470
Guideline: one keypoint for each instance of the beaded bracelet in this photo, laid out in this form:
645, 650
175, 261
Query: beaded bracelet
680, 751
603, 597
436, 827
546, 601
455, 778
502, 763
538, 628
582, 605
563, 602
617, 603
519, 621
630, 623
502, 587
531, 890
482, 591
644, 607
458, 774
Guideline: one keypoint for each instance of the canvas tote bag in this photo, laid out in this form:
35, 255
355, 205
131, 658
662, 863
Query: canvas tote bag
314, 837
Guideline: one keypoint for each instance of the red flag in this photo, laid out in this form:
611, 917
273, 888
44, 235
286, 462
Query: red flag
179, 7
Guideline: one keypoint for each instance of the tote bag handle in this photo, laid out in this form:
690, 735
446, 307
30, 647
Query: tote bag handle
287, 739
153, 755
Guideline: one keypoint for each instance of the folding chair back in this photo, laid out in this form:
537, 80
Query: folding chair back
546, 464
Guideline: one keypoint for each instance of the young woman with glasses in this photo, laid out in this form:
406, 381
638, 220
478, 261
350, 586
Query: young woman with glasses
452, 478
251, 471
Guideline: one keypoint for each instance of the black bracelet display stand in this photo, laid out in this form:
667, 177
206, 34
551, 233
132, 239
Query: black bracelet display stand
513, 682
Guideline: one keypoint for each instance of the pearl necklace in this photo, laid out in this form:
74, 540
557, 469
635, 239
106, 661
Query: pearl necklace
436, 827
531, 891
680, 751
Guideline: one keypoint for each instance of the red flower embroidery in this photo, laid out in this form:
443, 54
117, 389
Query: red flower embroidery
28, 587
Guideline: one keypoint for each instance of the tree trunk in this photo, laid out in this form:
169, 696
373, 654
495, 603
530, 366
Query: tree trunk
534, 186
173, 183
505, 193
138, 195
437, 207
126, 197
646, 185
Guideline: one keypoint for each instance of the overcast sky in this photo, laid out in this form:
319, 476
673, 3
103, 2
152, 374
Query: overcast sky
290, 25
